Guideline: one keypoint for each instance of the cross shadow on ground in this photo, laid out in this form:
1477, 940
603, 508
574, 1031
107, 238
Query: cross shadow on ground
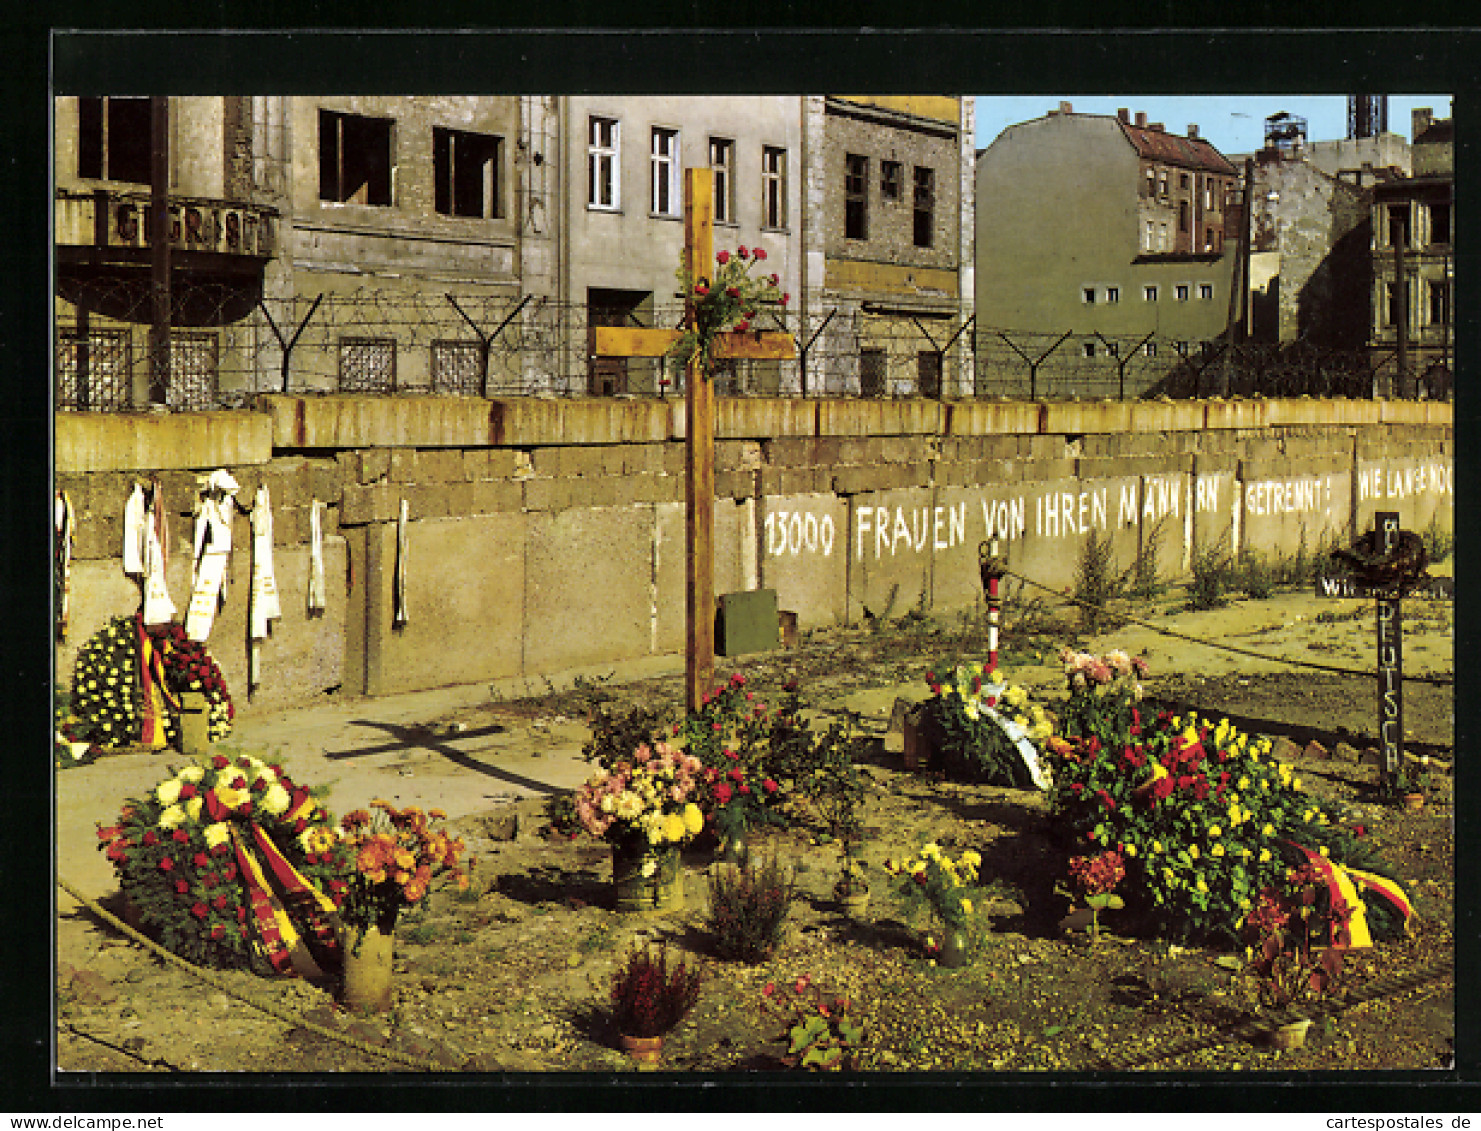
420, 738
551, 883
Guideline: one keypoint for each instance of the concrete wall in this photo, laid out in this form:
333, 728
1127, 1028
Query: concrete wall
548, 536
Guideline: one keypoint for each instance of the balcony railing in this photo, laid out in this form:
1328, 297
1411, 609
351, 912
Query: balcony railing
112, 219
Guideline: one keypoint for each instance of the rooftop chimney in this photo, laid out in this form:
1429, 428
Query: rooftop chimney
1157, 127
1124, 114
1141, 119
1066, 108
1420, 121
1193, 129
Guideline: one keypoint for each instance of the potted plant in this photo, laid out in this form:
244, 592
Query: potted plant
749, 904
821, 1032
1300, 936
649, 996
936, 883
1095, 878
1412, 782
643, 806
837, 791
390, 858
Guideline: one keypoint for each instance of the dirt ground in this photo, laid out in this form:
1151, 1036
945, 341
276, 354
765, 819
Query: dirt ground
511, 977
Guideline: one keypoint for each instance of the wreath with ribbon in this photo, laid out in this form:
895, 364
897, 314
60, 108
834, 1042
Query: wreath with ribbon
127, 683
229, 863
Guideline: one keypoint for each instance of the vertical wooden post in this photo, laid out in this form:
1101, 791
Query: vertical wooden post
159, 249
699, 454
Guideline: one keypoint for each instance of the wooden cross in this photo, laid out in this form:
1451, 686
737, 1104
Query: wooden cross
1390, 638
699, 433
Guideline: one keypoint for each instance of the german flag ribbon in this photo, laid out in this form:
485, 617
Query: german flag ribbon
158, 700
1341, 889
1387, 889
279, 939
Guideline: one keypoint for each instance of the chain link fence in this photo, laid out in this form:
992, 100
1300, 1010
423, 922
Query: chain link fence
230, 344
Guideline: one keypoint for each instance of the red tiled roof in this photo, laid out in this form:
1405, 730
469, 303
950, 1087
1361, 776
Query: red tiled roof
1190, 152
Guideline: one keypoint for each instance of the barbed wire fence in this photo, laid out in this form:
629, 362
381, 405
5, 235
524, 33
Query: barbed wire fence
229, 344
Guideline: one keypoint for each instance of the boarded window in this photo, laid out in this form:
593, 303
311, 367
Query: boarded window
872, 373
928, 372
113, 142
367, 365
890, 180
457, 368
94, 370
466, 169
925, 207
354, 159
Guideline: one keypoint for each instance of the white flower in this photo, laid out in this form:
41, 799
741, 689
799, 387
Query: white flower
168, 792
276, 799
219, 833
192, 773
171, 818
649, 867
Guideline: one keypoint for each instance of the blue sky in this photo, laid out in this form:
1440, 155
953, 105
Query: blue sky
1232, 124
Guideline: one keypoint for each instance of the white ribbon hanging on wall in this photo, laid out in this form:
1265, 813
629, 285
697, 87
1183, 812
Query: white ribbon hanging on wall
145, 538
316, 599
65, 522
214, 512
399, 615
265, 607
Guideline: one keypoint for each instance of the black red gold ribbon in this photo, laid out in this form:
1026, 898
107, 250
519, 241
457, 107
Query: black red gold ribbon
157, 697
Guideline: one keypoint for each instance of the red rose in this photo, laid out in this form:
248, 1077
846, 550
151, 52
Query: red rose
187, 791
242, 931
701, 290
299, 825
241, 914
760, 253
221, 849
230, 872
166, 865
239, 782
181, 835
920, 878
210, 879
741, 251
732, 292
246, 809
222, 901
722, 258
736, 774
769, 785
219, 762
201, 860
150, 838
181, 886
722, 793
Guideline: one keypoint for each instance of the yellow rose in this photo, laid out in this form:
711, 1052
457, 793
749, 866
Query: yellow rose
276, 799
193, 807
1264, 856
971, 858
674, 828
1216, 850
191, 773
231, 798
1214, 830
219, 833
168, 792
1193, 851
1203, 887
1131, 850
1157, 846
694, 820
172, 817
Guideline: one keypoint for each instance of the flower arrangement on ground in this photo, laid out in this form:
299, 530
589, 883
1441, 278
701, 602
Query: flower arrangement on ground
1103, 692
114, 680
390, 858
731, 299
1203, 815
222, 857
1413, 777
646, 800
935, 883
1096, 879
987, 729
821, 1032
1299, 934
651, 993
749, 905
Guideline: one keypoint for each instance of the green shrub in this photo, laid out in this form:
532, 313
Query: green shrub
1212, 574
616, 733
1256, 575
1439, 543
749, 906
1096, 581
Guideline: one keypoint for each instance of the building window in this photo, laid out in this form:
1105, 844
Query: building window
856, 197
1113, 349
113, 141
1149, 237
457, 368
1398, 225
1151, 181
1113, 294
1162, 236
665, 161
1208, 195
604, 139
890, 180
925, 207
1439, 304
1439, 223
367, 365
1182, 215
722, 165
1205, 290
1088, 348
94, 370
1162, 182
1180, 292
1150, 349
1180, 348
465, 167
1149, 292
354, 159
1182, 180
872, 372
1087, 294
928, 372
773, 187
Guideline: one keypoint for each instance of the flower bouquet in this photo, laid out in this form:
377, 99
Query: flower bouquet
730, 300
230, 863
391, 856
1103, 691
644, 806
986, 729
1096, 878
936, 883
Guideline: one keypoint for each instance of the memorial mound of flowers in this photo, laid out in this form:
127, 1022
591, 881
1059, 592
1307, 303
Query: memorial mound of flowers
128, 678
229, 863
1202, 817
985, 729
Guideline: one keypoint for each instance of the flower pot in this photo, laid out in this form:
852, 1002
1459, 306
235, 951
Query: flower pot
646, 879
646, 1052
956, 949
1414, 801
916, 749
366, 985
1289, 1036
